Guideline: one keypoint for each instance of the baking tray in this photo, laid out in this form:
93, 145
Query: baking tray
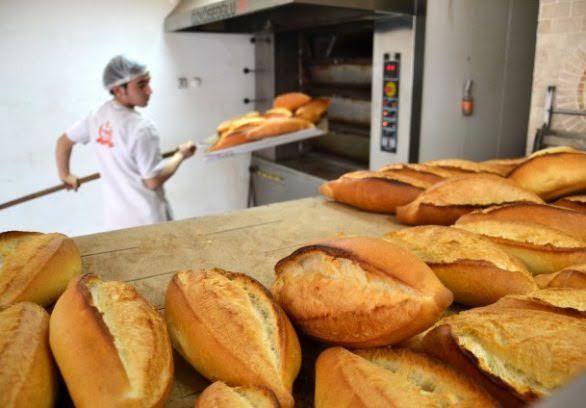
320, 130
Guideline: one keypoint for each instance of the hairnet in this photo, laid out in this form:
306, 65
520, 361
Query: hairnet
121, 70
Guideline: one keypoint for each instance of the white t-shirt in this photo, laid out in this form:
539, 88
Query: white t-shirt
127, 146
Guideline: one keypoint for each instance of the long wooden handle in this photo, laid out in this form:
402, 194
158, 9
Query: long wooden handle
59, 187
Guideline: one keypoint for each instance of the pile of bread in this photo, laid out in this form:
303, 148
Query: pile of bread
378, 306
440, 191
291, 112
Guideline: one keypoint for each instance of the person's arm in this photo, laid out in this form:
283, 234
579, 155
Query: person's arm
184, 151
63, 155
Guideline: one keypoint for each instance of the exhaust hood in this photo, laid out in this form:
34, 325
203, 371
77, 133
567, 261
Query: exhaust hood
248, 16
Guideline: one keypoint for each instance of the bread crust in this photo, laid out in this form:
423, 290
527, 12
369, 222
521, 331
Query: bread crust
359, 292
442, 344
552, 175
476, 270
314, 110
577, 203
214, 321
220, 395
36, 267
446, 201
462, 166
503, 166
427, 174
111, 346
387, 377
28, 376
570, 277
291, 100
562, 219
521, 348
553, 251
277, 126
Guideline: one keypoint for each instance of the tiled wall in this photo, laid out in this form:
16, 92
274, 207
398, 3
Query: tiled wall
560, 60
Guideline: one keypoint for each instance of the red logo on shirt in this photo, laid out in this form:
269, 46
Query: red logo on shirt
105, 135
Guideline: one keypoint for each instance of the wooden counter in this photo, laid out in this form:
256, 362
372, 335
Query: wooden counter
249, 241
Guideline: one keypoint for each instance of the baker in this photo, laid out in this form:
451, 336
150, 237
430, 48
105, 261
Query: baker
127, 147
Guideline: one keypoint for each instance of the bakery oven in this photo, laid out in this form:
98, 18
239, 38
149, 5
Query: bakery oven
396, 72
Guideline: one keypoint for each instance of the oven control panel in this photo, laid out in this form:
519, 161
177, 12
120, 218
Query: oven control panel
390, 111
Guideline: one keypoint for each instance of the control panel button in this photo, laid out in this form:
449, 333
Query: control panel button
390, 89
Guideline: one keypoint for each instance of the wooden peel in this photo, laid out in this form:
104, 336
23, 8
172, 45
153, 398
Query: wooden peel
59, 187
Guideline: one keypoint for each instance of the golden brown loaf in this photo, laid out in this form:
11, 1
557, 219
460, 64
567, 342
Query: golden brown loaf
36, 267
291, 100
476, 270
552, 175
28, 377
359, 292
111, 346
461, 166
314, 110
444, 202
543, 249
375, 191
568, 221
520, 348
571, 277
230, 329
220, 395
577, 202
277, 126
391, 378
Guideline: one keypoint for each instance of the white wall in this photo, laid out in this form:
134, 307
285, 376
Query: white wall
53, 53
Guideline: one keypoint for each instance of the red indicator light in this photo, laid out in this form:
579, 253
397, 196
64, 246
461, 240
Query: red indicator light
385, 124
391, 67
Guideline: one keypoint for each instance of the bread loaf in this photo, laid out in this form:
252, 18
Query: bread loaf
359, 292
391, 378
577, 202
568, 221
552, 175
277, 126
230, 329
446, 201
111, 346
28, 377
375, 191
219, 395
291, 100
476, 270
571, 277
36, 267
520, 348
542, 249
314, 110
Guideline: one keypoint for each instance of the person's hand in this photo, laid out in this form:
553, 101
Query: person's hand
186, 150
71, 182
